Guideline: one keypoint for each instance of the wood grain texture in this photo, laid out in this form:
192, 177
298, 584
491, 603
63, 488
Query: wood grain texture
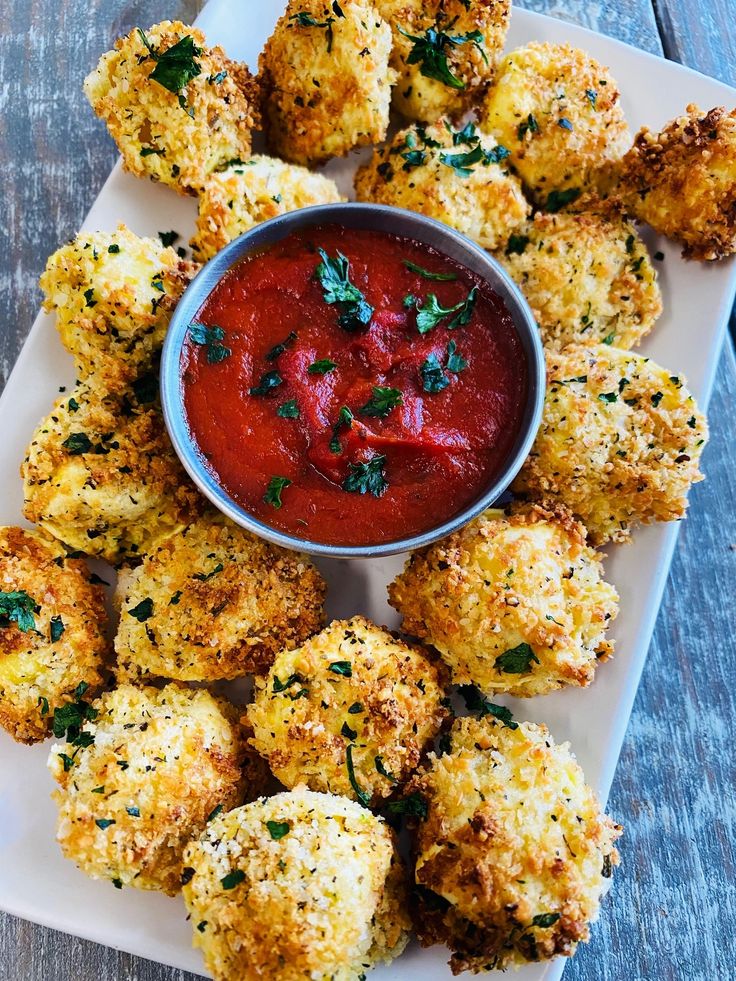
670, 916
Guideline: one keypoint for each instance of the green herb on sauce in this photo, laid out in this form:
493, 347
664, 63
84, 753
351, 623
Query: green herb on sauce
382, 401
334, 276
367, 478
427, 274
273, 492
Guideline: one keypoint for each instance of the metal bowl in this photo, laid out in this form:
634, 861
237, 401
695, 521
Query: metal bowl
370, 217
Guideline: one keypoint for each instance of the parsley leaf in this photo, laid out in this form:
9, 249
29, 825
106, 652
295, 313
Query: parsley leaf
322, 367
281, 686
382, 402
77, 443
545, 919
413, 806
592, 97
476, 702
104, 823
530, 125
517, 660
288, 410
344, 668
176, 66
334, 277
463, 163
455, 361
168, 238
367, 478
427, 274
350, 734
434, 379
269, 381
232, 879
210, 338
516, 244
383, 771
206, 576
432, 312
279, 348
558, 199
363, 797
18, 607
429, 51
305, 19
68, 721
278, 829
344, 421
142, 611
273, 492
56, 628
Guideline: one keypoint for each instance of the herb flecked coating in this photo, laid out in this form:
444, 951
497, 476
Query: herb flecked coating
299, 885
514, 854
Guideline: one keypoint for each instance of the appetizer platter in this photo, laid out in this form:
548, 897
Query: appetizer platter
347, 764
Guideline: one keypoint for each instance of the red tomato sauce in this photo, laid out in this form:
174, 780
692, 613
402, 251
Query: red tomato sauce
439, 448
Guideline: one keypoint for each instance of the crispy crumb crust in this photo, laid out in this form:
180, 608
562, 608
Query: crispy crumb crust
522, 577
682, 181
243, 195
483, 874
39, 674
389, 708
113, 294
160, 762
587, 277
421, 98
317, 103
619, 442
537, 86
179, 145
322, 895
223, 604
118, 488
487, 205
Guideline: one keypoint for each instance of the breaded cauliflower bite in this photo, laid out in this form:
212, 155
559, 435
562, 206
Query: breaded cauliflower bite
513, 602
245, 194
176, 109
101, 475
113, 294
459, 177
557, 111
325, 80
515, 853
214, 602
52, 632
300, 885
682, 181
619, 442
444, 52
352, 712
143, 778
587, 277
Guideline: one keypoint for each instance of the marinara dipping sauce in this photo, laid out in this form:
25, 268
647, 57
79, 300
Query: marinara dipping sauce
353, 387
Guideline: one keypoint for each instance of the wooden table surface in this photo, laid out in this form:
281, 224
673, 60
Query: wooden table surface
672, 912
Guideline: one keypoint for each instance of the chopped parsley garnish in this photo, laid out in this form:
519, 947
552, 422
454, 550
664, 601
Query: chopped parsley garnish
530, 125
44, 705
278, 829
565, 123
305, 19
72, 405
608, 396
431, 313
202, 925
104, 823
692, 422
150, 151
214, 813
463, 163
592, 97
476, 702
142, 611
77, 443
367, 478
350, 734
558, 199
355, 709
344, 668
322, 367
281, 686
269, 381
545, 919
273, 492
168, 238
89, 298
175, 67
383, 771
232, 879
657, 398
610, 338
133, 811
210, 338
344, 421
434, 379
363, 797
206, 576
630, 240
382, 402
413, 806
334, 276
18, 607
516, 244
68, 721
113, 249
279, 348
427, 274
517, 660
56, 628
288, 410
429, 51
455, 361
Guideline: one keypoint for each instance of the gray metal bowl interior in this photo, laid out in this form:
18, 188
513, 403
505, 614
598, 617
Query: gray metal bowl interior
370, 217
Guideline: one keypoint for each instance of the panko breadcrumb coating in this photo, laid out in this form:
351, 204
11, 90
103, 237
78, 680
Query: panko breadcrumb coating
325, 80
449, 56
515, 853
52, 632
145, 777
101, 475
619, 443
557, 111
513, 602
245, 194
587, 277
176, 109
300, 885
682, 181
214, 602
459, 177
351, 712
113, 294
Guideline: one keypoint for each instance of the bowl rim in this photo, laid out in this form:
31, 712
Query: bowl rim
375, 217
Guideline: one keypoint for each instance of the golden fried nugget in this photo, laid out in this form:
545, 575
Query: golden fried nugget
101, 475
325, 79
176, 109
245, 194
515, 852
557, 111
619, 443
587, 277
444, 52
459, 177
682, 181
300, 885
513, 602
113, 294
52, 632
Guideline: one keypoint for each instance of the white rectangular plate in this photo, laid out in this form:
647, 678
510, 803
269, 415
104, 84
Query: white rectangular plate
35, 881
